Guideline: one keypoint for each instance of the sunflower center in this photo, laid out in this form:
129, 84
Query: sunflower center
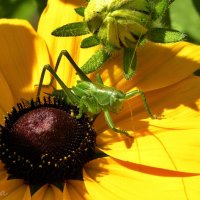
45, 143
45, 129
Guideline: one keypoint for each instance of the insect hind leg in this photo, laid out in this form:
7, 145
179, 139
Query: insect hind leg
52, 78
111, 124
41, 80
67, 55
146, 106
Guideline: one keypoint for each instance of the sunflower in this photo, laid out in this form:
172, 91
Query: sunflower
162, 161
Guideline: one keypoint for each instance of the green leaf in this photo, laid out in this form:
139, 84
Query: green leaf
161, 35
72, 29
90, 42
158, 8
80, 11
96, 61
130, 62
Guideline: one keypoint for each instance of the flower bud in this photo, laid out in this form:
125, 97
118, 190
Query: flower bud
118, 23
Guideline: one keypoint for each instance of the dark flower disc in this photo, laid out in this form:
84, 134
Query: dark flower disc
45, 142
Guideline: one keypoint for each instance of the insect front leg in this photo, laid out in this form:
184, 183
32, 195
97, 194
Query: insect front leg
75, 66
81, 107
111, 124
99, 79
52, 78
72, 98
136, 92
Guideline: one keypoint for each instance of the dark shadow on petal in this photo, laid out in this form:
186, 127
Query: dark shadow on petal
154, 171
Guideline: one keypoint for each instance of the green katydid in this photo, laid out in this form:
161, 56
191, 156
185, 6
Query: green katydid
91, 98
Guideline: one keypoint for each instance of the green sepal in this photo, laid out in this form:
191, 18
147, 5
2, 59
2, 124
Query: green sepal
99, 155
158, 8
72, 29
96, 61
197, 72
130, 62
35, 187
161, 35
90, 42
59, 94
80, 11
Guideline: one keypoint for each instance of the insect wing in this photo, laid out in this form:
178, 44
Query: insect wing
102, 94
82, 88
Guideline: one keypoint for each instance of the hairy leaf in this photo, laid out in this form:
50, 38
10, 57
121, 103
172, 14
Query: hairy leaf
90, 42
96, 61
130, 62
165, 35
158, 8
72, 29
80, 11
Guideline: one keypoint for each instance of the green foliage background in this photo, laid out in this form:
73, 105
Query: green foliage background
184, 15
23, 9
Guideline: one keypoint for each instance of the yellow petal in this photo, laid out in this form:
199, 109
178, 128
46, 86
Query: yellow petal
75, 190
22, 56
6, 100
191, 185
27, 195
158, 66
111, 179
48, 192
14, 189
56, 14
162, 65
66, 195
172, 142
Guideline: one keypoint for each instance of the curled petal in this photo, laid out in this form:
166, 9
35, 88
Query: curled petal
56, 14
113, 179
75, 190
22, 59
171, 142
158, 66
14, 189
7, 99
48, 192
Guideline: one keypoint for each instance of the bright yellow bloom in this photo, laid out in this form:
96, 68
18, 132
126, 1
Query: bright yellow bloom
163, 161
